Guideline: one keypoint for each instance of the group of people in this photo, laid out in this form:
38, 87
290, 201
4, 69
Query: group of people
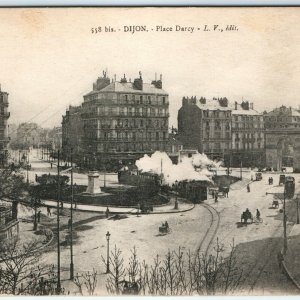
270, 180
257, 213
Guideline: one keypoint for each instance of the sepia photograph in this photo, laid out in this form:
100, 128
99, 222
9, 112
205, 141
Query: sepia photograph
149, 151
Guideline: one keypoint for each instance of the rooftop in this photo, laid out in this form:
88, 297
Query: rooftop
128, 87
284, 111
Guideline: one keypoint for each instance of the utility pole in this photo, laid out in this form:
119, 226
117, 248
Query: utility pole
297, 210
71, 222
58, 245
284, 225
241, 169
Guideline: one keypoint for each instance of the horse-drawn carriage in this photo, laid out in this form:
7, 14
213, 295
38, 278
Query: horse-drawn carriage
246, 215
164, 228
275, 204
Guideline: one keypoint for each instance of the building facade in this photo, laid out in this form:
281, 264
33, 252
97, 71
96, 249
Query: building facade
282, 129
122, 121
222, 130
248, 136
4, 115
72, 133
9, 224
205, 125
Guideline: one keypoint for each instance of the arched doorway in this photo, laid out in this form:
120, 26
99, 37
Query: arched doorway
285, 153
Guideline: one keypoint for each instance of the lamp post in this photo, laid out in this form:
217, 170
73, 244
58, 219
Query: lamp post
27, 179
71, 222
58, 225
284, 225
107, 263
176, 201
241, 169
297, 210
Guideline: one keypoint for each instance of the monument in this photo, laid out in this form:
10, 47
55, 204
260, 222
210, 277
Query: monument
93, 184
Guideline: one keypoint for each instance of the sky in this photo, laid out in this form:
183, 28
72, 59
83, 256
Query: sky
49, 58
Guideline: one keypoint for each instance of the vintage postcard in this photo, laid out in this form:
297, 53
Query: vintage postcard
150, 151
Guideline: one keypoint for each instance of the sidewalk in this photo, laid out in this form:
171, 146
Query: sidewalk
240, 184
292, 257
168, 208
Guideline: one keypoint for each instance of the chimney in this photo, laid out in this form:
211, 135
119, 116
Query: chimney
235, 105
123, 80
184, 101
101, 82
251, 105
138, 82
157, 83
203, 100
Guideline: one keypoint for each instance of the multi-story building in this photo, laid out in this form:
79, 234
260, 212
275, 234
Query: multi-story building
222, 130
9, 224
29, 135
282, 131
72, 133
205, 125
4, 115
248, 136
122, 121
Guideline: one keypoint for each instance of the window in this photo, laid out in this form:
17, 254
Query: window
157, 136
141, 123
164, 135
164, 100
126, 98
141, 99
149, 99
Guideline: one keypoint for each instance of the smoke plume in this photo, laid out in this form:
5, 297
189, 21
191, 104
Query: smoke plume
190, 168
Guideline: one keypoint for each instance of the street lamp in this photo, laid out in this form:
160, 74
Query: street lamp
71, 221
284, 225
107, 263
58, 287
176, 201
27, 180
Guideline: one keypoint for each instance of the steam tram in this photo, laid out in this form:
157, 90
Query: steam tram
194, 191
289, 186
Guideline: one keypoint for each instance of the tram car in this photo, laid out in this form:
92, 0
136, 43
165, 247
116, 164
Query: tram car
194, 191
289, 186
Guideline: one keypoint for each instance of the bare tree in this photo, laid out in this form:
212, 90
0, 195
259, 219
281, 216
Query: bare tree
117, 274
177, 273
20, 272
87, 279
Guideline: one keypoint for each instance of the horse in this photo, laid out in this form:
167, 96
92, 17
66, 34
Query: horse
246, 215
275, 204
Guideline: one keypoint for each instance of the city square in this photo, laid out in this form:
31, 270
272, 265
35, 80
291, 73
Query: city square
129, 169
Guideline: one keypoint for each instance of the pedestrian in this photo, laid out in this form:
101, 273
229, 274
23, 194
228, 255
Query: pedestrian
69, 223
51, 165
216, 197
39, 216
107, 212
257, 214
248, 188
61, 204
48, 211
166, 225
280, 259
